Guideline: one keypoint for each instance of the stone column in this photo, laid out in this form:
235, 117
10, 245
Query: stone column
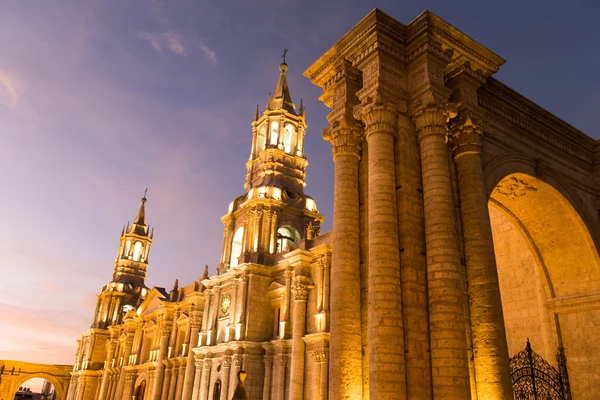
267, 381
286, 305
160, 368
237, 360
205, 379
111, 347
129, 377
345, 344
490, 349
198, 363
180, 378
387, 375
189, 368
320, 375
126, 356
241, 318
281, 377
273, 239
324, 375
450, 368
298, 346
225, 377
169, 382
413, 266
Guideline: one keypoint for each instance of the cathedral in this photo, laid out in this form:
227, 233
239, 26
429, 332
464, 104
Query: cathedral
463, 250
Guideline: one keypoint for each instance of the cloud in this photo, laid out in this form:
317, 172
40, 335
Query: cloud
209, 53
8, 89
164, 41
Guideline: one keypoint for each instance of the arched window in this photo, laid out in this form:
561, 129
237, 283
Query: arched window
126, 248
236, 247
288, 138
137, 251
287, 238
274, 132
261, 139
217, 390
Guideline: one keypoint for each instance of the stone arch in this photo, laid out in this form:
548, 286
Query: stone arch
141, 385
60, 385
548, 265
501, 166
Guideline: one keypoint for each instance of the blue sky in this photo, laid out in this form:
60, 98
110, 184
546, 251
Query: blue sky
101, 99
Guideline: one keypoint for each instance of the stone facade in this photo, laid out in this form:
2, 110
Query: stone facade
471, 200
465, 221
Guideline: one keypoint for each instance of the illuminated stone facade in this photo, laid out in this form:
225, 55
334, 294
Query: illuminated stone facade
465, 221
455, 199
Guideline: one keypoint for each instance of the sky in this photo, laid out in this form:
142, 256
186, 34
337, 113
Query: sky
101, 99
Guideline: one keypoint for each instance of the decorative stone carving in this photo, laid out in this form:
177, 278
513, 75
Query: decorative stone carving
225, 305
238, 360
320, 356
345, 138
512, 188
283, 360
208, 363
268, 360
300, 292
227, 361
465, 135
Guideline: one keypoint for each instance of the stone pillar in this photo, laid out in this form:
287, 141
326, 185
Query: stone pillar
205, 379
413, 266
198, 363
345, 344
267, 381
111, 347
387, 375
225, 377
241, 322
237, 360
180, 379
298, 346
207, 303
188, 380
450, 368
281, 377
160, 368
286, 305
169, 382
490, 349
126, 356
320, 375
129, 381
273, 241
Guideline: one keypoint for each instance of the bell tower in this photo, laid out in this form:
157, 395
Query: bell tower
274, 214
127, 287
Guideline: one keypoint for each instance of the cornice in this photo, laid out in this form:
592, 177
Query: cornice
464, 48
502, 101
323, 70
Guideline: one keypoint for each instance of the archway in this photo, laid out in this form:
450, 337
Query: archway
39, 388
549, 274
13, 374
140, 390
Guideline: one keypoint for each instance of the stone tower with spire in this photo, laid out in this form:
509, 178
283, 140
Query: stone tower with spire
274, 213
127, 287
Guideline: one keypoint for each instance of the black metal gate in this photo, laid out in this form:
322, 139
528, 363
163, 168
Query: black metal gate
533, 378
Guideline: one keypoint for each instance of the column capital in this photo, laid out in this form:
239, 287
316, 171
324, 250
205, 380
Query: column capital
198, 363
238, 359
301, 292
227, 361
346, 138
268, 360
320, 356
378, 116
283, 360
465, 135
431, 118
208, 363
195, 321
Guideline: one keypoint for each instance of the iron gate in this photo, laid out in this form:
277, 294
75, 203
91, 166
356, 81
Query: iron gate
533, 378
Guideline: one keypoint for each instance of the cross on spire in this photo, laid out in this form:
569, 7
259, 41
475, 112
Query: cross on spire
284, 53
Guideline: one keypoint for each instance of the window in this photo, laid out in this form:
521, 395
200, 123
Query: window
288, 138
274, 132
236, 247
137, 251
126, 248
287, 238
261, 139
